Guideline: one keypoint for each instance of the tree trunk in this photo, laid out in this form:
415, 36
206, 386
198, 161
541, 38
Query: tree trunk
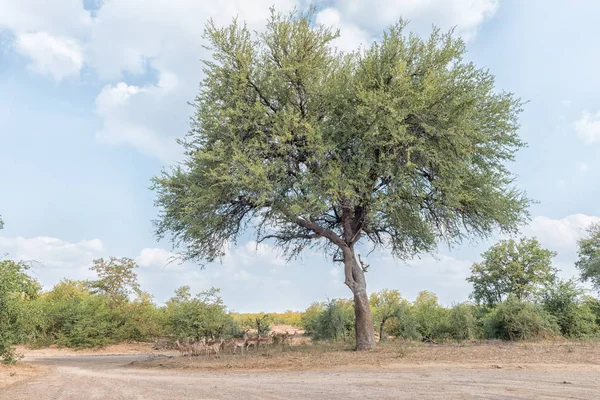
381, 337
355, 280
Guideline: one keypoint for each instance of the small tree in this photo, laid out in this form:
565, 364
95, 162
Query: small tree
430, 316
563, 300
589, 256
385, 305
202, 315
116, 279
15, 285
511, 268
396, 146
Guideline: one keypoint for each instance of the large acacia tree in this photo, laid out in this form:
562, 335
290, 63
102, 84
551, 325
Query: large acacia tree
396, 146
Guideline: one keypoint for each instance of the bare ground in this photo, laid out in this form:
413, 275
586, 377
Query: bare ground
393, 371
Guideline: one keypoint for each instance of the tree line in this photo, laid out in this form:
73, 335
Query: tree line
516, 296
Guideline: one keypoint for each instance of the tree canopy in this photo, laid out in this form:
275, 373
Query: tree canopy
588, 261
511, 268
116, 279
397, 146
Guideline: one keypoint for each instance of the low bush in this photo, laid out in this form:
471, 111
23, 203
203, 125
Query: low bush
517, 320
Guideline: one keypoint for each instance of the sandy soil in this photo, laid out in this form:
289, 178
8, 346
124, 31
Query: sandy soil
485, 371
11, 374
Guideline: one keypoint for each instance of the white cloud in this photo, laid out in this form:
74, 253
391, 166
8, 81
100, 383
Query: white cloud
560, 234
131, 116
374, 15
158, 258
566, 102
57, 57
59, 17
351, 36
52, 252
588, 127
583, 167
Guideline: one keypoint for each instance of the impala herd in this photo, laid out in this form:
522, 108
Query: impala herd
189, 347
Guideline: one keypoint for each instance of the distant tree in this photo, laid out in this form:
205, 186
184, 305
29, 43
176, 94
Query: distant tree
588, 262
385, 305
429, 315
263, 325
116, 279
1, 222
511, 268
202, 315
396, 146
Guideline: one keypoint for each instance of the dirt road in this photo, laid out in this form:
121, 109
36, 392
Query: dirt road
110, 377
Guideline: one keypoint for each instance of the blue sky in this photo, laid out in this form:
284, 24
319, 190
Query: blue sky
93, 95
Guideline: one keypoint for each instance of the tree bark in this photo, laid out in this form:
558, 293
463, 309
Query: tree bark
381, 337
355, 280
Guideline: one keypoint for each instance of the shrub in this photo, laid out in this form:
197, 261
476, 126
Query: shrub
203, 315
517, 320
336, 321
405, 326
16, 286
431, 317
563, 301
309, 318
462, 324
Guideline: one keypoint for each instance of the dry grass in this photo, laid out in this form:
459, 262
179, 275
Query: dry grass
336, 355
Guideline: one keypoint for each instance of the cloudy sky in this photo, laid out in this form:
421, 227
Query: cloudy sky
94, 93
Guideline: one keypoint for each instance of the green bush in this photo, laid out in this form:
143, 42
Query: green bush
336, 321
405, 326
16, 288
462, 323
309, 318
204, 315
431, 317
517, 320
563, 301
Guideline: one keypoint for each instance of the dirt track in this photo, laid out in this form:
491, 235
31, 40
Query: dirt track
110, 377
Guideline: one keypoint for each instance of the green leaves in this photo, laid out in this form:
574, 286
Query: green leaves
511, 269
15, 286
116, 279
588, 261
398, 145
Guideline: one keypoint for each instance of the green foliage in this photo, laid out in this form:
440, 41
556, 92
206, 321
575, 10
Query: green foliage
511, 268
335, 321
139, 320
563, 301
310, 316
385, 306
116, 279
405, 326
397, 145
462, 323
16, 287
195, 317
588, 262
518, 320
594, 305
430, 316
78, 318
